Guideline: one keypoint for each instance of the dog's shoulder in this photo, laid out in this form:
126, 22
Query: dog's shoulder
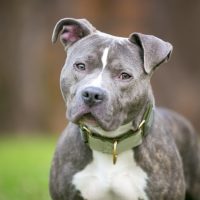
176, 124
160, 158
172, 116
188, 144
71, 155
71, 148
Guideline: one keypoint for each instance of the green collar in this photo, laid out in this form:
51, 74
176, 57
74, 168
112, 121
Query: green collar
124, 142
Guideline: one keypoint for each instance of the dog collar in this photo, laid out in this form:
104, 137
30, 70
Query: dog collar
124, 142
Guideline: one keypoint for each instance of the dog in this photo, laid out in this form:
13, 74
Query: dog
118, 145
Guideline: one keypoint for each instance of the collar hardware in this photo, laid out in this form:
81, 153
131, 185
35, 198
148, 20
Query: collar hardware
114, 153
141, 124
85, 132
119, 144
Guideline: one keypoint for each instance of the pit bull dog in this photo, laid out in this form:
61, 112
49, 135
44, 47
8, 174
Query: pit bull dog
118, 145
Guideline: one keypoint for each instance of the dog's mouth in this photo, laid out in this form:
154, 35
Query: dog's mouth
89, 119
84, 116
93, 117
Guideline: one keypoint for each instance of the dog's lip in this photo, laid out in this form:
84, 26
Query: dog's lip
83, 116
89, 119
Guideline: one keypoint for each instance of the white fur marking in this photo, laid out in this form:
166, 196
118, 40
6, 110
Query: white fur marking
97, 81
102, 180
104, 58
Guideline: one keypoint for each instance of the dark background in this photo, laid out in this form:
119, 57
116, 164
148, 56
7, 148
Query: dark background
30, 99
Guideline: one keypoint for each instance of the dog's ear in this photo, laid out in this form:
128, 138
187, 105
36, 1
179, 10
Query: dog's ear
155, 51
71, 30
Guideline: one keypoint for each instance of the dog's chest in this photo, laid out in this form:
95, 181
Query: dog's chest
102, 180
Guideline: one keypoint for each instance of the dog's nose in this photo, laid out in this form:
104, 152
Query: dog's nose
93, 95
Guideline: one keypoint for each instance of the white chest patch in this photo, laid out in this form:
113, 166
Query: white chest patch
101, 180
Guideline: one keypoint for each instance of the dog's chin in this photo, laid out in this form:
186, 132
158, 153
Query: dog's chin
93, 121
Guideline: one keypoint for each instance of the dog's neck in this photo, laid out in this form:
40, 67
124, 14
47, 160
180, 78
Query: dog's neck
121, 140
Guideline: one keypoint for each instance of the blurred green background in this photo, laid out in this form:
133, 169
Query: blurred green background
31, 106
24, 167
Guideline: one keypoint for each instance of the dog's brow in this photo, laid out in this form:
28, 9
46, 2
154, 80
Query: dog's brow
104, 57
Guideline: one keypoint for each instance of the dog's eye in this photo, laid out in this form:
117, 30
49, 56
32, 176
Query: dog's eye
79, 66
125, 76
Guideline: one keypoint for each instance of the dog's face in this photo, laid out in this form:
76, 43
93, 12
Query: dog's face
105, 79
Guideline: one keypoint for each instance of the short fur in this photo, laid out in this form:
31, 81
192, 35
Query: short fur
169, 154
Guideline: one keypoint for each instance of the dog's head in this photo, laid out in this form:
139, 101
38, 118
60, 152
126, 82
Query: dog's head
106, 79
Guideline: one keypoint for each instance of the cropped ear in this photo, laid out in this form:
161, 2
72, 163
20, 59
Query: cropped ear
155, 51
71, 30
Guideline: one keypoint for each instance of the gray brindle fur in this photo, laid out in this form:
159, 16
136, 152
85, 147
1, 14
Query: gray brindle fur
169, 157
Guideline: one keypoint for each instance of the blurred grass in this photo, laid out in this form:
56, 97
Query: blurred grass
24, 167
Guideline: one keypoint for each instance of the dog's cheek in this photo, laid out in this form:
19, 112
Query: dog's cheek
134, 100
115, 109
65, 89
67, 84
